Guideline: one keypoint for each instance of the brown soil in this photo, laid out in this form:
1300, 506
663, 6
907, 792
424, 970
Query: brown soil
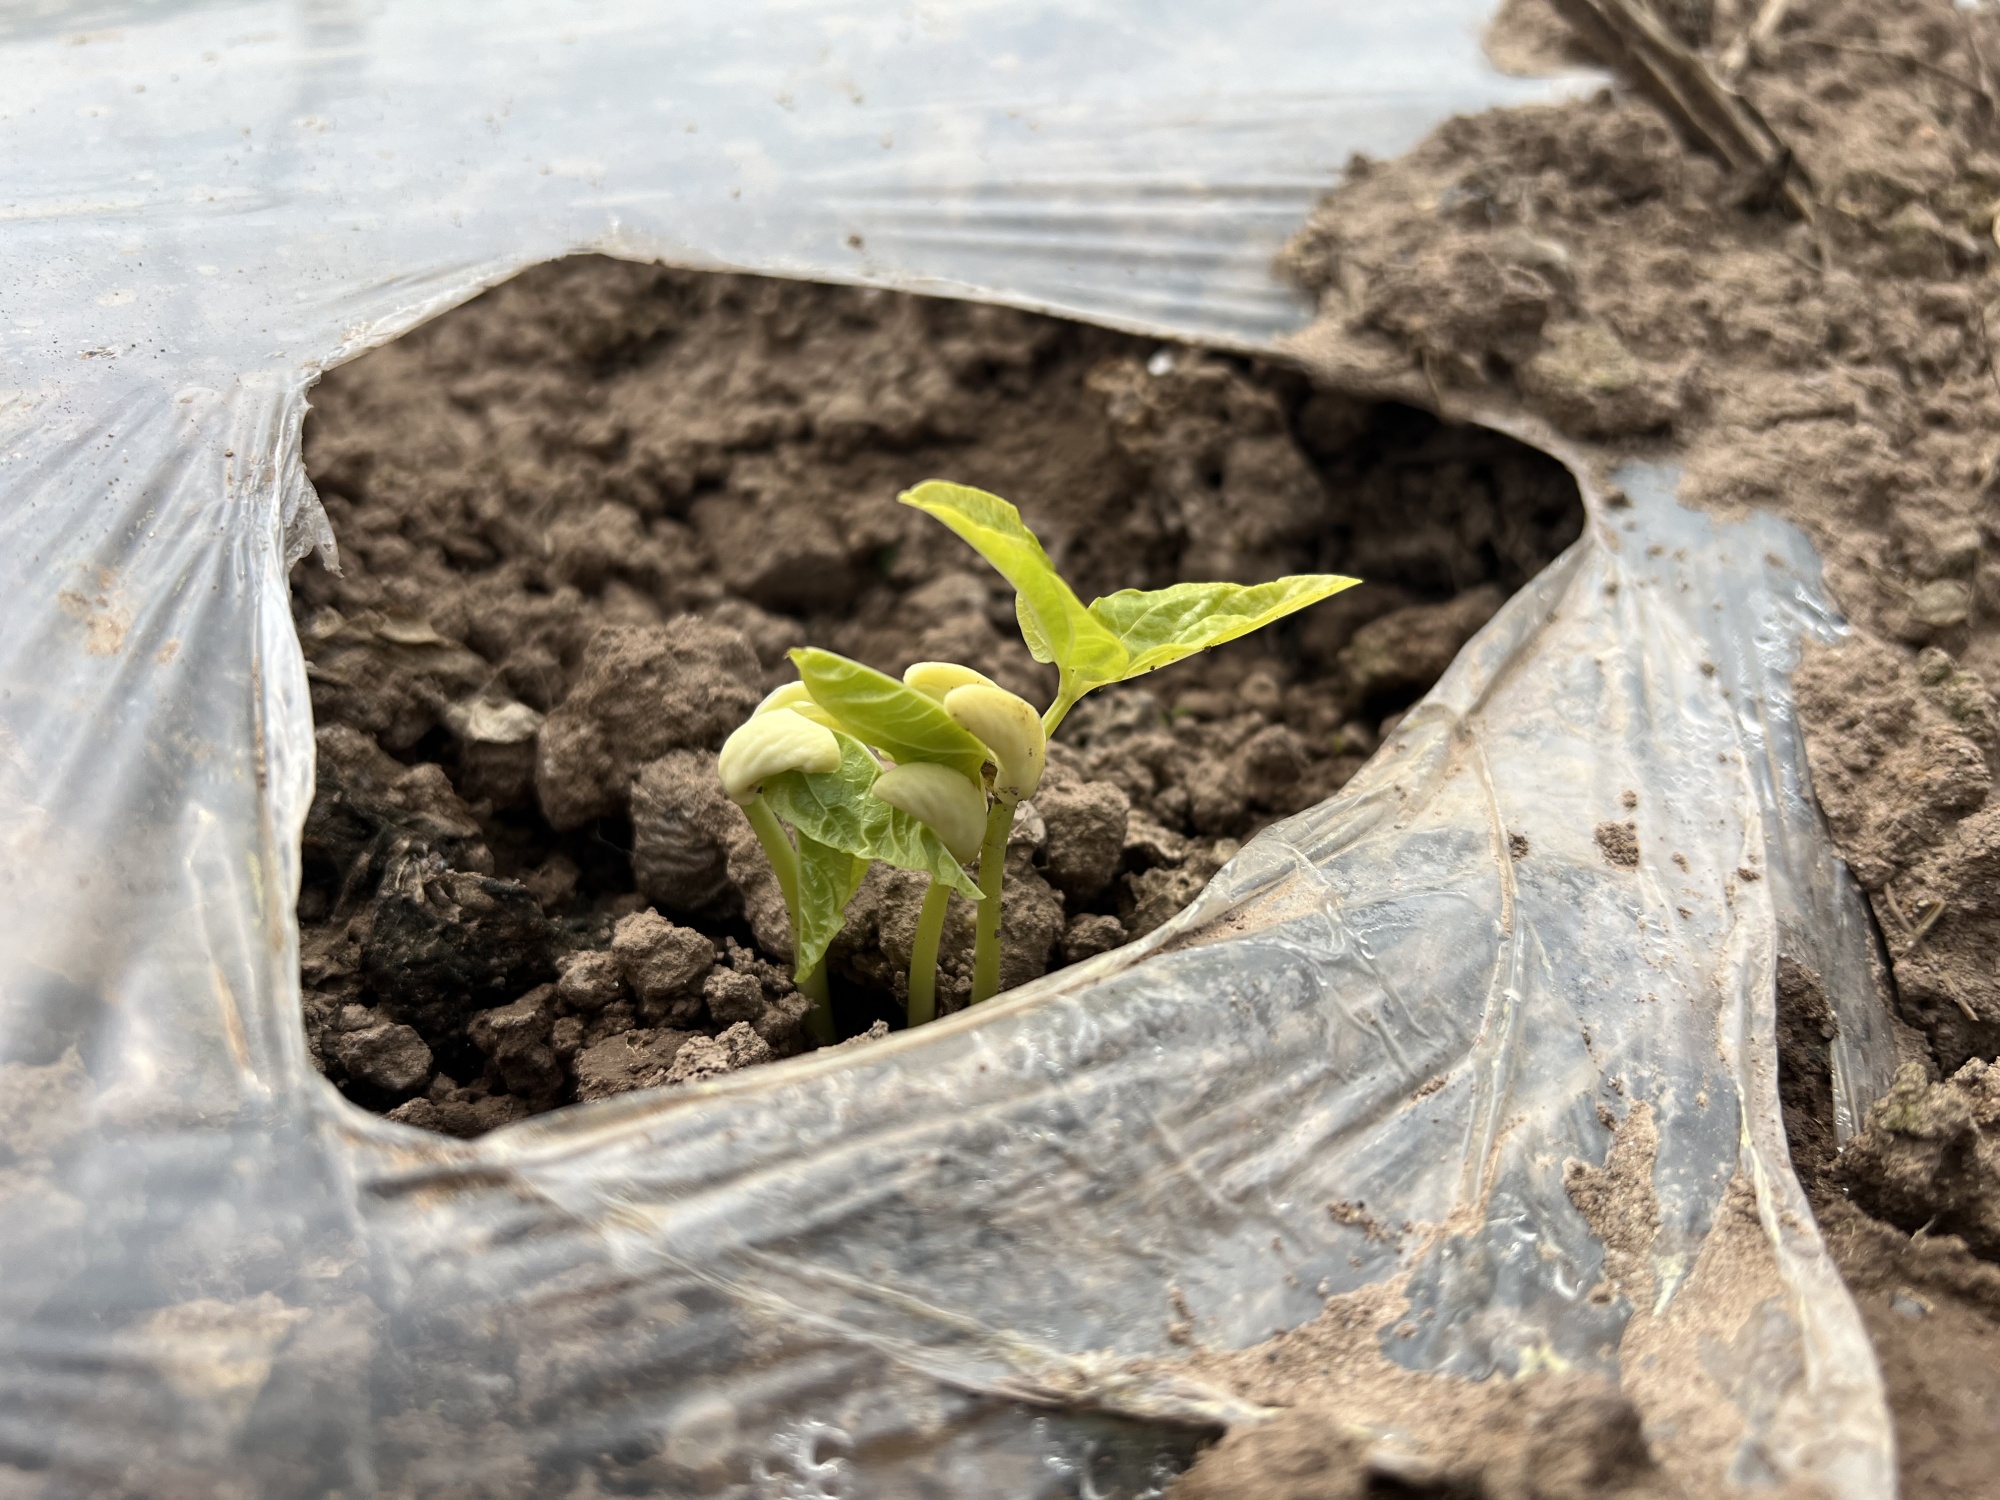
1585, 267
583, 518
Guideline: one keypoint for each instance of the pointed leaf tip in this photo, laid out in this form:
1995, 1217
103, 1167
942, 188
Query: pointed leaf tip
1054, 622
1161, 626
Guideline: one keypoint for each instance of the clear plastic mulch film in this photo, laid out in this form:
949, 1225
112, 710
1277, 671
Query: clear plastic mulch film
939, 1264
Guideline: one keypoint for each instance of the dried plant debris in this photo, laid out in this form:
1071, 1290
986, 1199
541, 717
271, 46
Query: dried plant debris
584, 519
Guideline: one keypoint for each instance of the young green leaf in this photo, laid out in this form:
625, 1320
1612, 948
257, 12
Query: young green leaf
1054, 622
899, 721
828, 879
839, 810
1160, 626
1039, 645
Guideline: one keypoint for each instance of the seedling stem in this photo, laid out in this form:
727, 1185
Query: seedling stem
992, 876
785, 865
923, 958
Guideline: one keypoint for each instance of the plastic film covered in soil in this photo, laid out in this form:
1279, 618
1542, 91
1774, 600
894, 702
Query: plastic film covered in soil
953, 1262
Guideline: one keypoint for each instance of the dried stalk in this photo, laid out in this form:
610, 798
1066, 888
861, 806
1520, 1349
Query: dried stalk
1628, 36
1754, 38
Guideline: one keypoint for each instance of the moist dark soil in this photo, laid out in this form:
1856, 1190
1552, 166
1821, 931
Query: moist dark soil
1591, 268
583, 518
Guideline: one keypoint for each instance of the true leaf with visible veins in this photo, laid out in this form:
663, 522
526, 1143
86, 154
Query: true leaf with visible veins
837, 809
828, 879
1054, 622
1161, 626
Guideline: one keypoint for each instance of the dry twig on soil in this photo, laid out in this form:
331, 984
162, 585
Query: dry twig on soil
1627, 35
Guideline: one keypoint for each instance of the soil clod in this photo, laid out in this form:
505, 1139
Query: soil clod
1619, 843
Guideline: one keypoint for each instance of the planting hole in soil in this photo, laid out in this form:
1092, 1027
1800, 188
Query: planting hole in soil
582, 521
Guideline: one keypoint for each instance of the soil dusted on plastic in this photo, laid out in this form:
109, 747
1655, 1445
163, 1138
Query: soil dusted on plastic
1585, 267
583, 518
1355, 1423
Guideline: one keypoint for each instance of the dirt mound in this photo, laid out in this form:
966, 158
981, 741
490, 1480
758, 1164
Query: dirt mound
1586, 267
1930, 1157
1584, 263
583, 518
1556, 1438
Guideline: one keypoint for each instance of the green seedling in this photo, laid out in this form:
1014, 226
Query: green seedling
776, 741
926, 773
921, 819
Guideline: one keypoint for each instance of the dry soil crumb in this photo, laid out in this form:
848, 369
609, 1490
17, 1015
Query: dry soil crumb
1903, 750
1618, 1202
1619, 843
1929, 1160
1552, 1438
1932, 1309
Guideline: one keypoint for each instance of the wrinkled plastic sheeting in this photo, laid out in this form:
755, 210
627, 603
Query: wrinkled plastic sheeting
921, 1266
